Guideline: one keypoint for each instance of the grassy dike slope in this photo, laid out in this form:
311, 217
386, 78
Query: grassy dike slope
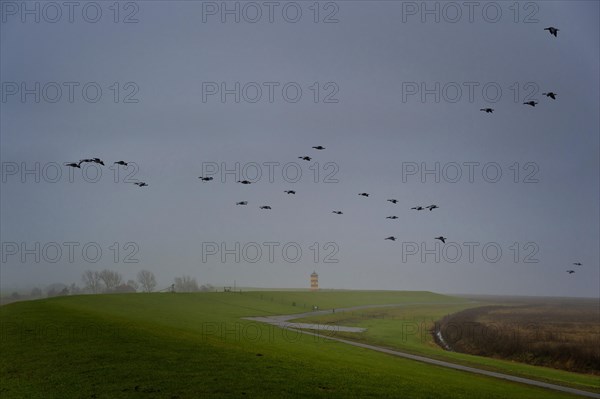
197, 345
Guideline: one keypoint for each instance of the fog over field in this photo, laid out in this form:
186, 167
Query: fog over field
241, 90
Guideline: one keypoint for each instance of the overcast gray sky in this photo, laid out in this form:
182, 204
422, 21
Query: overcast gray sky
357, 77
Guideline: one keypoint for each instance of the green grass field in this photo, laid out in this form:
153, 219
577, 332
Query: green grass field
197, 345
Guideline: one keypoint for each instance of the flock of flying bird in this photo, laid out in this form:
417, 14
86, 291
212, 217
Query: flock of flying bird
549, 94
337, 212
576, 264
553, 31
100, 162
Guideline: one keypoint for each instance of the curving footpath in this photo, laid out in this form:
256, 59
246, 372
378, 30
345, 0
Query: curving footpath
283, 322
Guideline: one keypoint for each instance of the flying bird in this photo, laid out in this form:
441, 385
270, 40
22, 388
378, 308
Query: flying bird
552, 30
205, 178
141, 184
122, 163
265, 207
73, 164
244, 182
306, 158
364, 194
391, 217
442, 239
417, 208
319, 147
94, 160
393, 201
391, 238
570, 271
577, 263
290, 192
487, 110
532, 103
432, 207
338, 212
242, 203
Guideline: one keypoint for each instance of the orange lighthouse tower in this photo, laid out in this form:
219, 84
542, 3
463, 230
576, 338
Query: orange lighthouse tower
314, 281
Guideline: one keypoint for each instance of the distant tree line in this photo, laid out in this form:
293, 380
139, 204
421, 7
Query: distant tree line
110, 281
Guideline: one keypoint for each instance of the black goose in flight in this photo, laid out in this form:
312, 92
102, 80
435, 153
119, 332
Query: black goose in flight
442, 239
391, 238
122, 163
393, 201
577, 263
319, 147
364, 194
417, 208
553, 31
532, 103
92, 160
306, 158
432, 207
487, 110
550, 94
205, 178
391, 217
265, 207
242, 203
338, 212
74, 164
141, 184
244, 182
290, 192
570, 271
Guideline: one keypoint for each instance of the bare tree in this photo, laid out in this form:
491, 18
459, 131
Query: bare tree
147, 280
133, 284
57, 289
111, 279
92, 281
186, 284
74, 289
